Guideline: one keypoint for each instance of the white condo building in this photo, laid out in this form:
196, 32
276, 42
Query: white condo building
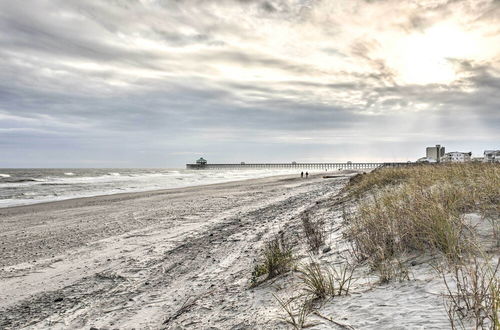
456, 157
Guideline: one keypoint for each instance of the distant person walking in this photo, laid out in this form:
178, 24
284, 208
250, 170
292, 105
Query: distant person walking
301, 174
307, 174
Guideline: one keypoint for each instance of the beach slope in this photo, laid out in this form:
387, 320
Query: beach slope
148, 260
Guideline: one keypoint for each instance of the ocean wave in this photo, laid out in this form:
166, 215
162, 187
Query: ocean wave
30, 195
69, 173
4, 175
55, 184
46, 186
19, 180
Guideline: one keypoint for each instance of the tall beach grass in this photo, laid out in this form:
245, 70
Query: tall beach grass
420, 208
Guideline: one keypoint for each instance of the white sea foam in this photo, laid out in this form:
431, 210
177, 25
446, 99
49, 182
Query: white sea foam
99, 182
4, 175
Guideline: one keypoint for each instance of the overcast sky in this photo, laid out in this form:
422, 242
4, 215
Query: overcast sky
158, 83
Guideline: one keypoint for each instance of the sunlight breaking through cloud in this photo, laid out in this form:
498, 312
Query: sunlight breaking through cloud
285, 75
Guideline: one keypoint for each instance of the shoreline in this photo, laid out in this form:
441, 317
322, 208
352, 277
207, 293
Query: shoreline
138, 194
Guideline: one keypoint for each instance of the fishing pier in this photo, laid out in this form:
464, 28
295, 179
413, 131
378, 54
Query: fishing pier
202, 164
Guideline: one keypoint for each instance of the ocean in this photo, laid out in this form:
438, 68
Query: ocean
29, 186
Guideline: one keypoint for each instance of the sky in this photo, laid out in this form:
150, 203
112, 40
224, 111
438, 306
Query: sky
159, 83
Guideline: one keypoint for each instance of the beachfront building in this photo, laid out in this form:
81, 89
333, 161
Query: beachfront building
434, 152
456, 157
201, 161
491, 156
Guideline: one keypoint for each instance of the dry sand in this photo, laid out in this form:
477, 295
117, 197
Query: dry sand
182, 259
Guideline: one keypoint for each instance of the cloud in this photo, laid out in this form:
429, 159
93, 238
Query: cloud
111, 79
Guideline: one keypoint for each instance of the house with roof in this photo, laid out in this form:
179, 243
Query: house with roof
491, 156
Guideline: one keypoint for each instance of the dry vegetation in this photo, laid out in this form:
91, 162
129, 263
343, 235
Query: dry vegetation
276, 258
296, 311
420, 209
314, 232
473, 294
317, 284
328, 281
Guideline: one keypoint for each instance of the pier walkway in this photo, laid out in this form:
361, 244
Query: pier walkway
294, 165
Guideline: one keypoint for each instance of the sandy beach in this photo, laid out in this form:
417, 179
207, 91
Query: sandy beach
183, 259
133, 260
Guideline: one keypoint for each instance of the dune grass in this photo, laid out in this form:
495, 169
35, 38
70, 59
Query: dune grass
317, 283
296, 311
420, 208
473, 292
325, 282
276, 258
314, 232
